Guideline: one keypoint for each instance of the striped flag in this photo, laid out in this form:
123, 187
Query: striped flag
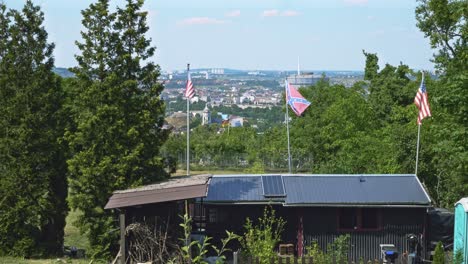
189, 90
422, 102
297, 102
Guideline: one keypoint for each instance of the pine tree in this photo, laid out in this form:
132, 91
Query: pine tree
33, 187
119, 116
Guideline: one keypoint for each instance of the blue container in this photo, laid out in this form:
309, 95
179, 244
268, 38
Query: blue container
460, 236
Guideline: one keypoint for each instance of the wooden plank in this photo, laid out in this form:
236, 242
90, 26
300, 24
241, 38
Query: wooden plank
122, 237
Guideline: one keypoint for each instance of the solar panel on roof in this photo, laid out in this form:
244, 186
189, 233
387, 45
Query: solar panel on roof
273, 186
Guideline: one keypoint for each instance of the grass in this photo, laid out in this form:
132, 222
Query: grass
13, 260
73, 237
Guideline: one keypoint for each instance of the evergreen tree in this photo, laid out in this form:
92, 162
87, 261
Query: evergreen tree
33, 187
118, 116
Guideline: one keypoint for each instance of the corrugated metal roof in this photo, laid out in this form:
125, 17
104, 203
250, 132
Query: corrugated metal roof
355, 189
178, 188
322, 190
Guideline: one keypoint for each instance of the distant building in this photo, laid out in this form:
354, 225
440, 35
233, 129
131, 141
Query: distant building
217, 71
305, 79
236, 121
206, 116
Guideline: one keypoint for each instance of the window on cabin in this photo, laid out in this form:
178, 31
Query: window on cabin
359, 219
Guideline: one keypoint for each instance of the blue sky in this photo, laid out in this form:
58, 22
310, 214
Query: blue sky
261, 34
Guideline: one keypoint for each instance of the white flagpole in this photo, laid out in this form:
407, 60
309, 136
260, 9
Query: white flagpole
417, 144
188, 125
417, 150
287, 127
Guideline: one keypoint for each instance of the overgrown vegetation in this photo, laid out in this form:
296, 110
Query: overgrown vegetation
336, 251
262, 236
439, 254
195, 251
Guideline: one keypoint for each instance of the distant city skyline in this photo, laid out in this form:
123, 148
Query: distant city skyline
260, 34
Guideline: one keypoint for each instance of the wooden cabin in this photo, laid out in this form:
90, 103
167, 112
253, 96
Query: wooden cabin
373, 209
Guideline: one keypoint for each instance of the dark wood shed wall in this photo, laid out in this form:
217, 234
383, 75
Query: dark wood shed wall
321, 225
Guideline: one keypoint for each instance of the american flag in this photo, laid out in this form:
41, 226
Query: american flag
422, 102
189, 90
297, 102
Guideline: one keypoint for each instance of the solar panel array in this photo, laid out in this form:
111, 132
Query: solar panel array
273, 186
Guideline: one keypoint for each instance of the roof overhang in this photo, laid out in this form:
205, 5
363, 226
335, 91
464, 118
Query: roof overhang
175, 189
374, 205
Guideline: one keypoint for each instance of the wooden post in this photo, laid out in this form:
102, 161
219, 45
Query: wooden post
122, 237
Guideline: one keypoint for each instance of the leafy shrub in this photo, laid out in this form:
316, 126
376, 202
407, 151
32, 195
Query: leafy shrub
338, 250
260, 239
439, 254
458, 257
194, 252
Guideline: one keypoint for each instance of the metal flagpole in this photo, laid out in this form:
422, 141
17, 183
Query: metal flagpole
188, 125
417, 144
287, 126
417, 150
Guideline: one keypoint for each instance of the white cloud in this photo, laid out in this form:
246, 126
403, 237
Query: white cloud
233, 13
270, 13
201, 21
275, 12
289, 13
356, 2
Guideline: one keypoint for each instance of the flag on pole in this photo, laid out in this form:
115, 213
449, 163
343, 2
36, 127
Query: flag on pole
189, 90
422, 102
295, 100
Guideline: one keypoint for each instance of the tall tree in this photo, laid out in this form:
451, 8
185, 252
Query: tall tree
444, 22
372, 65
118, 115
33, 187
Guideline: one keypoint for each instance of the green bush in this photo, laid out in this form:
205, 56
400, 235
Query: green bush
439, 254
260, 239
338, 250
458, 257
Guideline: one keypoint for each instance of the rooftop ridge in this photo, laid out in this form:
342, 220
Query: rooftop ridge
312, 175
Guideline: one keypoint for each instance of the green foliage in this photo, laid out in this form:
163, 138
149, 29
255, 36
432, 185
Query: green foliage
117, 115
261, 238
257, 168
33, 187
445, 24
458, 257
336, 251
439, 254
372, 65
195, 251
